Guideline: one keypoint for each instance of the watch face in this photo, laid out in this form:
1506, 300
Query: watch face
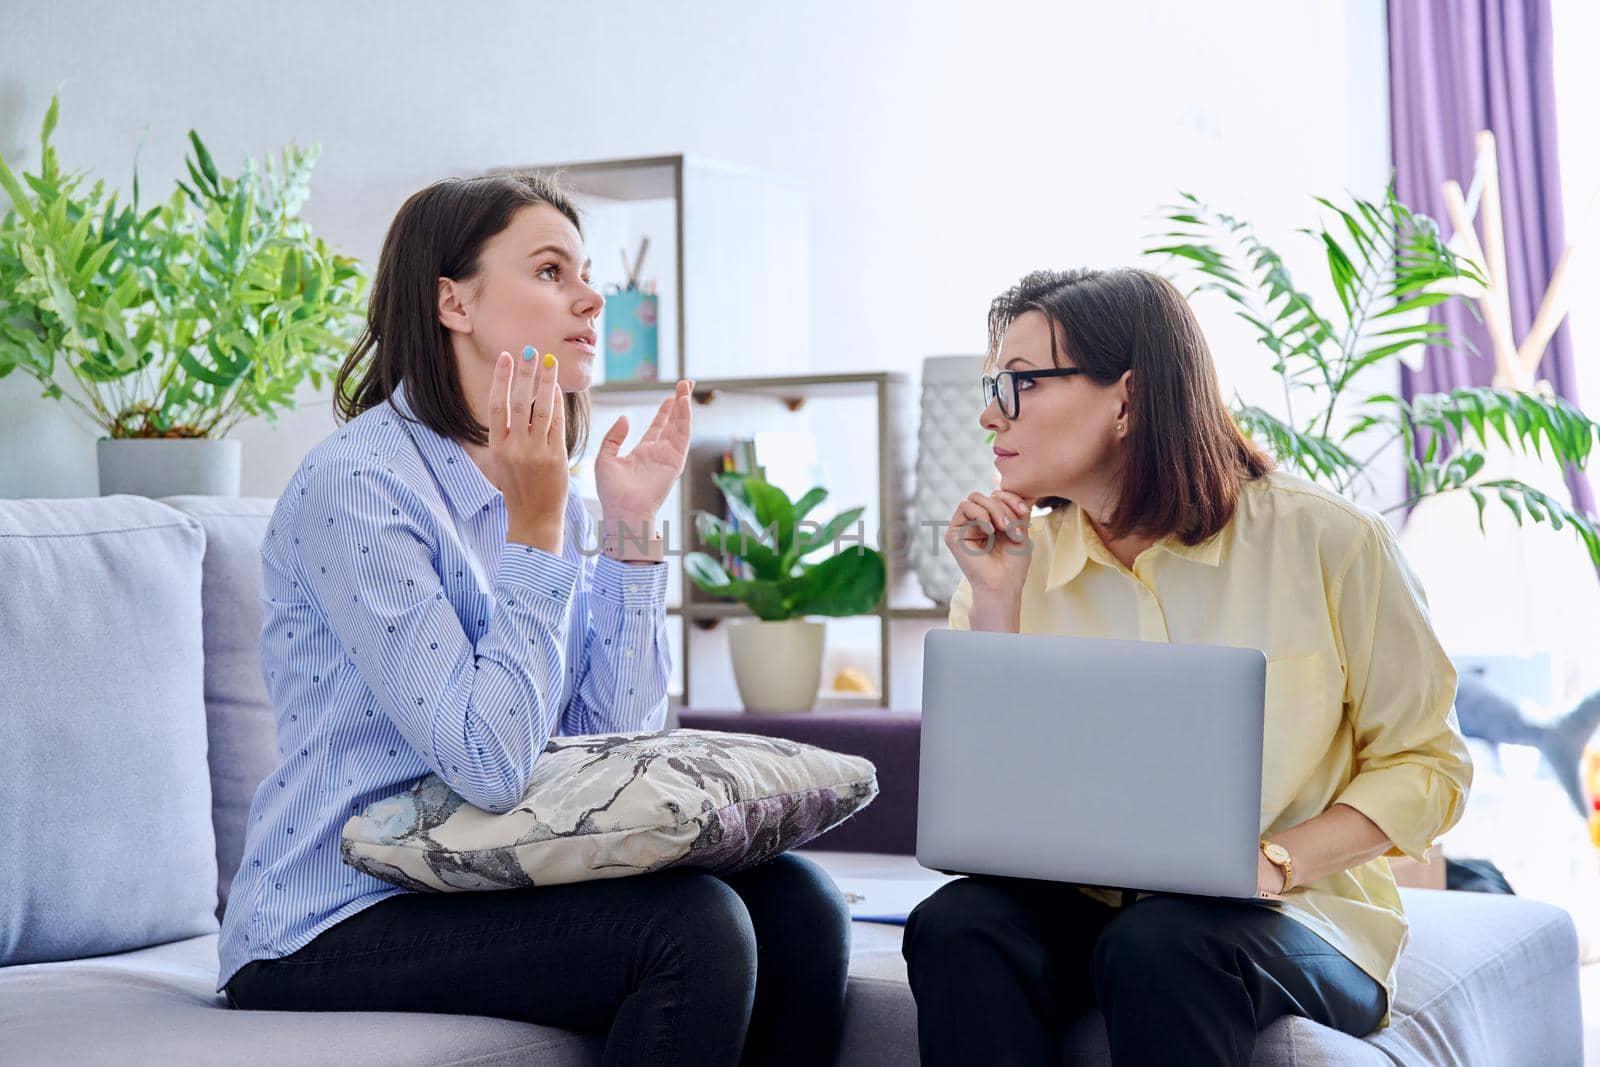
1276, 852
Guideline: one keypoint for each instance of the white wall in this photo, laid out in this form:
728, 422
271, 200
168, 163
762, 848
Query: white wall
948, 147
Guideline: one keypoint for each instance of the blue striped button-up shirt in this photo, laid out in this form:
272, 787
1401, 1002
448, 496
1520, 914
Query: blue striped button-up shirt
403, 635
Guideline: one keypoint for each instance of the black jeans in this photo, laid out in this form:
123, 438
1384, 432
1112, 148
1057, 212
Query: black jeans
680, 966
998, 966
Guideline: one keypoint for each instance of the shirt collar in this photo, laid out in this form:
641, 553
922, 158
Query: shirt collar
1076, 543
465, 488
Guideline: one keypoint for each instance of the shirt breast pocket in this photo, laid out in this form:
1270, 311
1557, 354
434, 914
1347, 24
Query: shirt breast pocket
1303, 702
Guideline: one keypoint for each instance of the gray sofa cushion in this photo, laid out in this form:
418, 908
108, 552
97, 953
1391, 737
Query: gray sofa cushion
156, 1007
105, 800
1487, 980
239, 716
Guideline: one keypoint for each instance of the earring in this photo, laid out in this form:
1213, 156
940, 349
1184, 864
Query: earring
1122, 430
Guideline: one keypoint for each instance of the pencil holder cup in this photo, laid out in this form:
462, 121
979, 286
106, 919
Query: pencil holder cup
630, 335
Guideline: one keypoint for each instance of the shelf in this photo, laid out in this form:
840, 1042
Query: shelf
646, 178
716, 610
792, 387
713, 610
933, 612
707, 222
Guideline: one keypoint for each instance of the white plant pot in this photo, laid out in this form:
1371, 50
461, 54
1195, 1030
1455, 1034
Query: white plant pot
778, 665
163, 466
953, 459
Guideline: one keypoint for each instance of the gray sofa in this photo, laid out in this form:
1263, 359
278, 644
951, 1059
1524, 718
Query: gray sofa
128, 770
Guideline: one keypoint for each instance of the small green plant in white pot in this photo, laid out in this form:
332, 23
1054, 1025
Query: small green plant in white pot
777, 656
166, 325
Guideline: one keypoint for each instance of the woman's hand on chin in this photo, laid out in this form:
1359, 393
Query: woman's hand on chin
989, 538
633, 487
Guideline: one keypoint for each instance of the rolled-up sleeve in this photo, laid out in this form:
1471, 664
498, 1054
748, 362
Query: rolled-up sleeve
1412, 770
477, 712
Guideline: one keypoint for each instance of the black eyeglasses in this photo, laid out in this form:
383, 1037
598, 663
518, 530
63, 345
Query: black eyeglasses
1003, 386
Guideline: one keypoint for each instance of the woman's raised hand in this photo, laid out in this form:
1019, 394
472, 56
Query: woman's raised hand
988, 536
633, 487
528, 448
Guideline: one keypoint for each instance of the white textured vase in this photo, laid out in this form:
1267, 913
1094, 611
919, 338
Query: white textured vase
778, 665
953, 459
163, 466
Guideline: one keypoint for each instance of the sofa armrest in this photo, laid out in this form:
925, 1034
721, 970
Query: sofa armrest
892, 740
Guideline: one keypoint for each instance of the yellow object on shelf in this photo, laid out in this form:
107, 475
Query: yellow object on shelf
852, 680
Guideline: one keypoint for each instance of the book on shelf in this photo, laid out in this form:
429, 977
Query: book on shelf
786, 459
739, 458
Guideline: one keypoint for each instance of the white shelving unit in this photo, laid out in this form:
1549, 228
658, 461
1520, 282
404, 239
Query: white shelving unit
734, 295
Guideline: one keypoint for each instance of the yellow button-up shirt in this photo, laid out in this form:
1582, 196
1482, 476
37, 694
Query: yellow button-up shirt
1360, 696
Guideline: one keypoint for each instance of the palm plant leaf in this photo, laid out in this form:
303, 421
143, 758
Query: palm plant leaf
1387, 265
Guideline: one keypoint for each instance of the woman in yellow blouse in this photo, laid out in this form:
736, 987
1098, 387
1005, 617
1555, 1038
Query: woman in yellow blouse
1165, 523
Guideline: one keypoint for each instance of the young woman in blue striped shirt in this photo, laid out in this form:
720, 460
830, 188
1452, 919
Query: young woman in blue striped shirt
431, 607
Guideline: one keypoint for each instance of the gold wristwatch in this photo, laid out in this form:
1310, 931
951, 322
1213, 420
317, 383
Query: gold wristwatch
1279, 857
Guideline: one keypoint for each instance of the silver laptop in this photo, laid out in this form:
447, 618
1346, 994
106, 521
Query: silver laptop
1123, 764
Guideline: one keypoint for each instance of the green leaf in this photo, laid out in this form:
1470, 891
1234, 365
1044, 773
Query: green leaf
1415, 303
1318, 457
850, 583
766, 599
52, 115
761, 506
706, 572
810, 500
714, 534
829, 532
1543, 508
204, 373
207, 166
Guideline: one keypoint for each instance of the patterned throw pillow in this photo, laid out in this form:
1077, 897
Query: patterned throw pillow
608, 806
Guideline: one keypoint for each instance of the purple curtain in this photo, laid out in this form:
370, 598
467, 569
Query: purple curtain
1457, 67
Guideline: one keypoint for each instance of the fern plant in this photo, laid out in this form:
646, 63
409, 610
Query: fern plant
179, 319
1388, 265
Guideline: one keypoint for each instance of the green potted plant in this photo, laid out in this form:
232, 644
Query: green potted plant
166, 325
1387, 264
777, 656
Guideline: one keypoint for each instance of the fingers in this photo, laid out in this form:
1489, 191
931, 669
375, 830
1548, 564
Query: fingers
1000, 512
612, 441
683, 419
970, 524
544, 380
558, 412
671, 409
505, 369
522, 393
980, 518
1023, 506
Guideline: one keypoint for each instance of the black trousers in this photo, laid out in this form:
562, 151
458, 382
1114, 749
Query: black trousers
677, 967
998, 966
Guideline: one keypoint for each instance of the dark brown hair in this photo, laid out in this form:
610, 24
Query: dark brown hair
1185, 458
439, 233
